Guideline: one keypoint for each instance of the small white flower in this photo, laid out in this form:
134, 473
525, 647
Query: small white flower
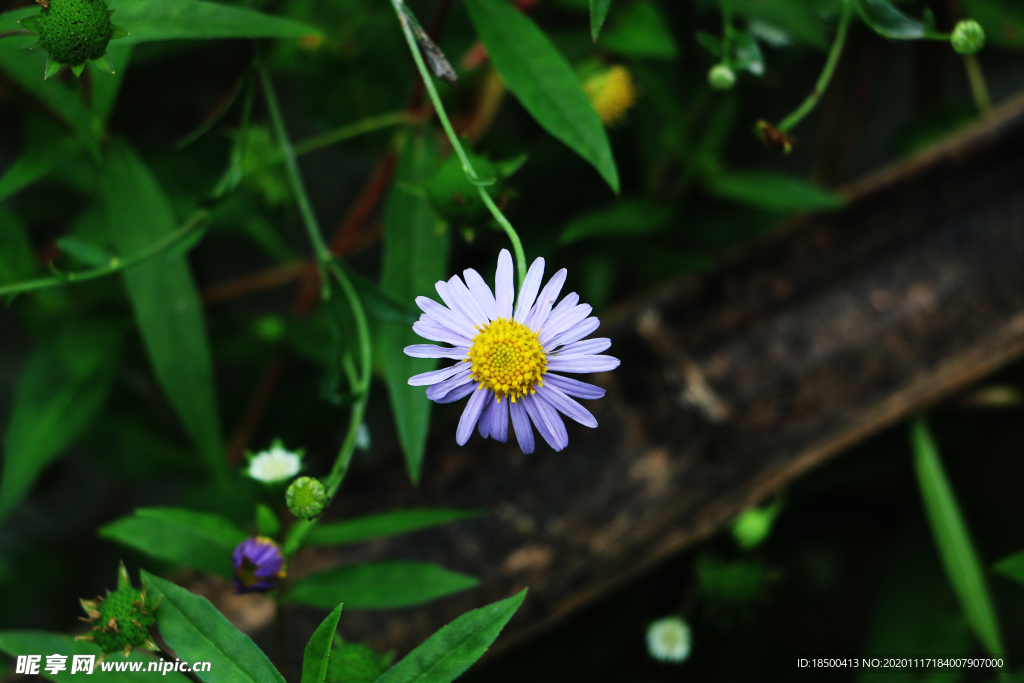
274, 465
668, 640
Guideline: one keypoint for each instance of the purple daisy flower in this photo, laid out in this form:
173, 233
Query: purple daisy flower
259, 565
506, 355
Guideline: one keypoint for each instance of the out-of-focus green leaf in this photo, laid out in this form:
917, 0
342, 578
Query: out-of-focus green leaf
378, 303
64, 385
771, 192
710, 42
318, 649
384, 525
747, 55
1012, 566
640, 32
1003, 21
9, 23
88, 253
16, 259
415, 257
107, 86
954, 541
356, 663
598, 13
443, 657
885, 20
36, 162
164, 298
382, 585
148, 21
543, 82
197, 632
799, 18
625, 218
267, 523
186, 538
16, 643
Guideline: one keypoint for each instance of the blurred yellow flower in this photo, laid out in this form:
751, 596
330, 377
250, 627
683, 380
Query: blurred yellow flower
612, 93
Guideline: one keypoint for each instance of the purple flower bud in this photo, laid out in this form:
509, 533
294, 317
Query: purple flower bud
259, 565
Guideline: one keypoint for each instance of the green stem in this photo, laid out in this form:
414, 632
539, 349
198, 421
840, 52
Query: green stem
727, 32
350, 131
517, 246
323, 253
116, 264
978, 87
826, 73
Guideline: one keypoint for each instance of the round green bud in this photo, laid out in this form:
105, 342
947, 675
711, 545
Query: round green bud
968, 37
453, 196
721, 77
74, 31
120, 621
306, 498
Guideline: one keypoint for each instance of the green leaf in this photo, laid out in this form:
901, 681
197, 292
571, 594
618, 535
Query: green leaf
37, 162
182, 537
1012, 566
415, 257
598, 12
747, 55
63, 387
443, 657
85, 251
625, 218
640, 32
16, 259
798, 18
16, 643
318, 649
384, 525
378, 303
1003, 21
267, 523
954, 541
382, 585
885, 20
147, 21
9, 21
771, 191
197, 632
106, 86
164, 298
543, 82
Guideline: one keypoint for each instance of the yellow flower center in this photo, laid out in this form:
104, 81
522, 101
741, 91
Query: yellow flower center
507, 359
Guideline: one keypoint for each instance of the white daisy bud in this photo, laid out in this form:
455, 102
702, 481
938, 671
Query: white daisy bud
274, 465
668, 640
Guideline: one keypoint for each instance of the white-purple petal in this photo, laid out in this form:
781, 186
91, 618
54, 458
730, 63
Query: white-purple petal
586, 347
499, 420
444, 291
458, 393
479, 289
466, 302
528, 292
483, 424
471, 415
434, 376
566, 405
583, 363
504, 293
545, 301
521, 422
428, 329
575, 333
573, 387
547, 422
566, 321
441, 389
432, 351
442, 315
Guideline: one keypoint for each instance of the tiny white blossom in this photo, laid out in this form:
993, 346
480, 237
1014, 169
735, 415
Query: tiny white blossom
668, 640
274, 465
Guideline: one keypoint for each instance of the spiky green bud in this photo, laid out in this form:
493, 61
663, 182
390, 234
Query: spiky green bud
306, 498
968, 37
454, 197
121, 620
73, 32
721, 77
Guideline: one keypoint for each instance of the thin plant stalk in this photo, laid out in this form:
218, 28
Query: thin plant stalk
367, 125
517, 246
979, 89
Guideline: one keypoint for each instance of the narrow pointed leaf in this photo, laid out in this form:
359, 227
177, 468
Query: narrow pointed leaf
1011, 567
444, 656
37, 162
318, 649
63, 387
382, 585
17, 262
543, 82
772, 191
885, 19
415, 257
641, 31
197, 632
148, 21
384, 525
598, 13
954, 541
164, 298
182, 537
104, 63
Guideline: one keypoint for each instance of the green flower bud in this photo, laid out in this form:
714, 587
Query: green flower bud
306, 498
73, 32
721, 77
120, 621
454, 197
968, 37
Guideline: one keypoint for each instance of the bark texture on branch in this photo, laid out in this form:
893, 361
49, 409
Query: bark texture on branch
731, 385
